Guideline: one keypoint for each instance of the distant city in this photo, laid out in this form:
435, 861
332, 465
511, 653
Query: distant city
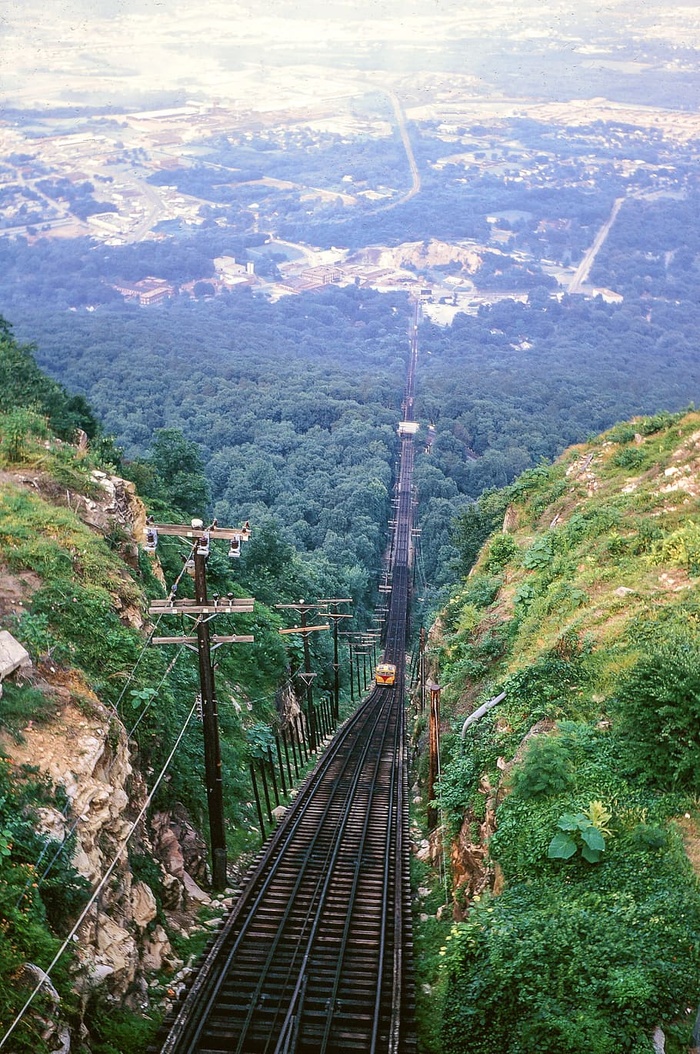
196, 143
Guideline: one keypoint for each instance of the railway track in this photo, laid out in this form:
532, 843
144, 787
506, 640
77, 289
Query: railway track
315, 957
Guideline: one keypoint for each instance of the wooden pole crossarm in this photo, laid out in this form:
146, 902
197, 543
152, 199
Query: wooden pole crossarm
215, 638
187, 531
302, 629
200, 609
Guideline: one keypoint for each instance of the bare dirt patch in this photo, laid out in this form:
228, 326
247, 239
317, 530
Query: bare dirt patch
691, 840
16, 590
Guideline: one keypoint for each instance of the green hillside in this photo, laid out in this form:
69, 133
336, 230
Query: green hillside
571, 805
91, 726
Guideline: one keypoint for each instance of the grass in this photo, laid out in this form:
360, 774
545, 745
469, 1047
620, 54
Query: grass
22, 704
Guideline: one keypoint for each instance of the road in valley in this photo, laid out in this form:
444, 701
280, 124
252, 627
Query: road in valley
584, 268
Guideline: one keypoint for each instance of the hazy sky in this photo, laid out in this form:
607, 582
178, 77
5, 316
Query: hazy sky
90, 51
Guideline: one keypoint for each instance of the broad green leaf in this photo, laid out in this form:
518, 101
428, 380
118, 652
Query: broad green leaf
570, 821
593, 839
591, 855
561, 847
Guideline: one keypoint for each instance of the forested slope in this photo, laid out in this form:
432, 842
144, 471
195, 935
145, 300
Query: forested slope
572, 804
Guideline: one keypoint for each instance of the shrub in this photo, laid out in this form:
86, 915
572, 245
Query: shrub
21, 704
629, 458
500, 552
658, 714
555, 968
546, 769
482, 590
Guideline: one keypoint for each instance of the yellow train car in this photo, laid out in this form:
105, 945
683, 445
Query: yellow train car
385, 673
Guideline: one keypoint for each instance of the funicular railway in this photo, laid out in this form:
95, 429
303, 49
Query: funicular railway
316, 954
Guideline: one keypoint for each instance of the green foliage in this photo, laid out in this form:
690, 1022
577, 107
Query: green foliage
546, 768
15, 427
174, 474
657, 709
680, 548
259, 740
33, 916
119, 1030
23, 387
545, 689
582, 832
21, 704
555, 968
501, 551
481, 590
475, 523
629, 458
540, 553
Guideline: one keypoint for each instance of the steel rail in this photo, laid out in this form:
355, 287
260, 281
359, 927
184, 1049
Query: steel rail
191, 1020
316, 904
311, 959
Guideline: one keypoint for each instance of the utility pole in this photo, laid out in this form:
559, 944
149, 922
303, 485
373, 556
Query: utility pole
421, 668
335, 617
352, 676
434, 750
202, 611
302, 607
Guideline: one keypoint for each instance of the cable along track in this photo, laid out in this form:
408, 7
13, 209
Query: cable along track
315, 957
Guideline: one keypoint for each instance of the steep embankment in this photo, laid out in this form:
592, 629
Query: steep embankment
70, 592
89, 714
570, 806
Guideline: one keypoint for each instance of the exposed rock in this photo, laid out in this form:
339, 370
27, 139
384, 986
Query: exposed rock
53, 1031
86, 752
143, 905
158, 952
116, 954
192, 890
510, 520
659, 1041
13, 656
172, 892
178, 846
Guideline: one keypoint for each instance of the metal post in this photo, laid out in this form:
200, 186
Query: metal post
210, 723
309, 689
303, 747
279, 758
352, 676
434, 748
273, 775
265, 790
257, 800
336, 671
294, 755
421, 669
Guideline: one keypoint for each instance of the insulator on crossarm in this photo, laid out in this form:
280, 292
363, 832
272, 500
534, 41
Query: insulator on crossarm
151, 538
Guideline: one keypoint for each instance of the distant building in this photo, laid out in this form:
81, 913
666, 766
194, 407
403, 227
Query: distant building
323, 275
147, 292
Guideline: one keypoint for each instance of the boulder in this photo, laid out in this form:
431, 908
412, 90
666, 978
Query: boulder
13, 656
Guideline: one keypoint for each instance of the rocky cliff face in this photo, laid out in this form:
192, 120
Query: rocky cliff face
83, 749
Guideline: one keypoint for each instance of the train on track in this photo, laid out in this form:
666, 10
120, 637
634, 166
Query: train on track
385, 673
